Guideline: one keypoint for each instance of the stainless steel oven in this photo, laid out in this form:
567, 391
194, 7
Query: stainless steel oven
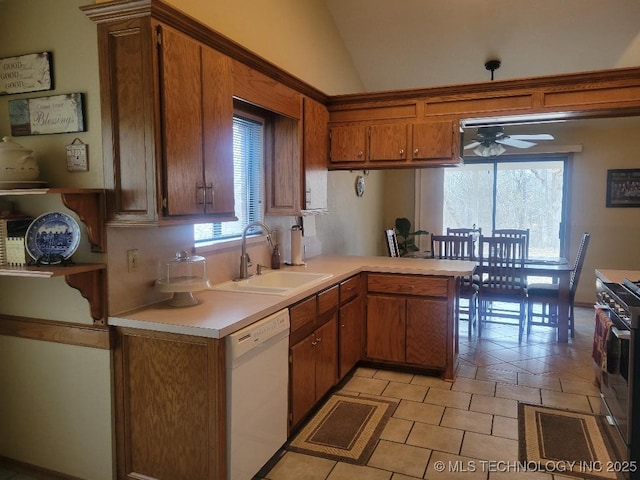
620, 387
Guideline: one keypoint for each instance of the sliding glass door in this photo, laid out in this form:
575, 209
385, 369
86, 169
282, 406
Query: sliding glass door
510, 193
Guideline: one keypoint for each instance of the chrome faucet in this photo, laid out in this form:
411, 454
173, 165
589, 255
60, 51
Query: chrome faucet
245, 261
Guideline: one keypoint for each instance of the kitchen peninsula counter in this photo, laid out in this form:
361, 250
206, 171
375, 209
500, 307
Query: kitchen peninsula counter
221, 313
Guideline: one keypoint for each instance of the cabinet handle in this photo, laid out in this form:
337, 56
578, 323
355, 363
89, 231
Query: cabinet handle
360, 153
415, 152
405, 288
402, 152
200, 194
318, 340
209, 188
314, 343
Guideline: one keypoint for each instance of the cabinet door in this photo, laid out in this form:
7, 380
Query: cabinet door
181, 91
386, 328
283, 168
388, 142
315, 151
348, 144
302, 379
326, 356
217, 131
434, 141
427, 332
351, 334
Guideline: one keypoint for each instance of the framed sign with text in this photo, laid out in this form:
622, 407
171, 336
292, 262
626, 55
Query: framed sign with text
44, 115
26, 73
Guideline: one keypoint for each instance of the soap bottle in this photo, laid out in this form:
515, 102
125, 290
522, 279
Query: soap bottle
275, 257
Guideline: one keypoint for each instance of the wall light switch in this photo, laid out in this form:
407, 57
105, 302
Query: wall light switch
132, 260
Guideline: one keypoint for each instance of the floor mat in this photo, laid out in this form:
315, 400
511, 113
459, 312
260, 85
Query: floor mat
346, 428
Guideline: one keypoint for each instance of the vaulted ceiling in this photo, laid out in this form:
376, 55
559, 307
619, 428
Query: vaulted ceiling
398, 44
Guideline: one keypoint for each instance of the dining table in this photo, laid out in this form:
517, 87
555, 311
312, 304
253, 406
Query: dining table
559, 269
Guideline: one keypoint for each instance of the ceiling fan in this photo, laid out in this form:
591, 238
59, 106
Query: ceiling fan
489, 141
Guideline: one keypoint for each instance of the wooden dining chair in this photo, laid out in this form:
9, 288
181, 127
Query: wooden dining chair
456, 247
515, 233
501, 280
392, 243
548, 294
465, 232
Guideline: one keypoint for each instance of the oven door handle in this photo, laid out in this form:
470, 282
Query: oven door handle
621, 334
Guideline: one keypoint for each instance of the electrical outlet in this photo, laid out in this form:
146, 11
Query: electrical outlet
132, 260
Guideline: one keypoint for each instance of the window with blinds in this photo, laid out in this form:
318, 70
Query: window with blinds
248, 172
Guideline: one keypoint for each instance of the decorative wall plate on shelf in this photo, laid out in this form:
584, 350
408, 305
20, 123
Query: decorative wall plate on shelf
52, 238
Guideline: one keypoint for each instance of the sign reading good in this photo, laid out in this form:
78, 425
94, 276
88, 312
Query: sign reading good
42, 115
27, 73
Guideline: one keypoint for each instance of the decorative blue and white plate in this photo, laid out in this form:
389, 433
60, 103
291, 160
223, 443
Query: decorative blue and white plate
53, 234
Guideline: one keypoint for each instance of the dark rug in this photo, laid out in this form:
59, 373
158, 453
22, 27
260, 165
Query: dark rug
346, 428
566, 442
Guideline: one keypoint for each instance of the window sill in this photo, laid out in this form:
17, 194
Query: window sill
228, 244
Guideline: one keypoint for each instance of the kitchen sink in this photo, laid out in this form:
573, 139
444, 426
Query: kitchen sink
276, 282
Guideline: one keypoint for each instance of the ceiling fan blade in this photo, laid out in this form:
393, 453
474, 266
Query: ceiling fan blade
538, 136
471, 145
513, 142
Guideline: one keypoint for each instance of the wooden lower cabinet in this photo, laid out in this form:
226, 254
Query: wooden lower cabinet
313, 369
170, 406
409, 321
350, 334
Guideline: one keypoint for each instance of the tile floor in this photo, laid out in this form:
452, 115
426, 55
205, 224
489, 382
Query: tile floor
465, 423
472, 421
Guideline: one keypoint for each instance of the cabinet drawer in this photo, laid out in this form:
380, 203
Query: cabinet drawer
328, 300
350, 288
407, 284
303, 313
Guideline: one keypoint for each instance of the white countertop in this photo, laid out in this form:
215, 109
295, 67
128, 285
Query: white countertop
221, 313
617, 276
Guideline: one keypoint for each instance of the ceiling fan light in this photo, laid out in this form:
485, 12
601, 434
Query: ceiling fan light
491, 150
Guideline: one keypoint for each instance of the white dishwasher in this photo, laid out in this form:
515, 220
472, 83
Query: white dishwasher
257, 394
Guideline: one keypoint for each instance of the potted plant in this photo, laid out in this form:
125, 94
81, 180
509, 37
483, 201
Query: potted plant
406, 238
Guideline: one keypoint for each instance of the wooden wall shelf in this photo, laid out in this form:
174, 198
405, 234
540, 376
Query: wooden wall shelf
87, 203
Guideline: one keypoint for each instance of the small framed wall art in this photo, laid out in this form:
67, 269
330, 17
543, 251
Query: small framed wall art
44, 115
623, 188
26, 73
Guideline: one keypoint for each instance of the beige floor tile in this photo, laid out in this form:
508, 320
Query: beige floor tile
487, 447
399, 476
445, 466
473, 385
466, 370
539, 381
467, 420
405, 390
568, 401
301, 467
581, 388
419, 412
435, 438
393, 376
449, 398
397, 430
347, 471
518, 392
427, 381
505, 427
364, 372
396, 457
372, 386
495, 406
480, 358
501, 374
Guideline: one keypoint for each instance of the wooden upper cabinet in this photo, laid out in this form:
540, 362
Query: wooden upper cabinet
348, 144
315, 153
197, 118
434, 141
388, 142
